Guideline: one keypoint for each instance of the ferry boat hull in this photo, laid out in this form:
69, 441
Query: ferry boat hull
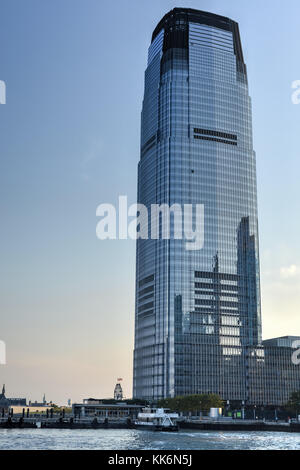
157, 428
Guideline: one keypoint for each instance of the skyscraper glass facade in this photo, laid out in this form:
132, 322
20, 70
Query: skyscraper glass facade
197, 311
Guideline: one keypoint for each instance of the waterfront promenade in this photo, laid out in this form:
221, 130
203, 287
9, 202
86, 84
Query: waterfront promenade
71, 422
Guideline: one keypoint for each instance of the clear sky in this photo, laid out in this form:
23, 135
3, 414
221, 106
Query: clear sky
69, 141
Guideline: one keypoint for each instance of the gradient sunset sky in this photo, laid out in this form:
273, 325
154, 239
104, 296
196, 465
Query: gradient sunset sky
70, 136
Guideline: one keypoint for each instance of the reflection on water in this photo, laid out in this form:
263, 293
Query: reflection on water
123, 439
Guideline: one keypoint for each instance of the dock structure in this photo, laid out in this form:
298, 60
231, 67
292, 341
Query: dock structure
59, 421
62, 422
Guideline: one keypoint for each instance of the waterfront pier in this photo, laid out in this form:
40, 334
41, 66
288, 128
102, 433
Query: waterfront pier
75, 422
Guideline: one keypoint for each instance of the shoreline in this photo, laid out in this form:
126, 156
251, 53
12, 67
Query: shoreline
69, 423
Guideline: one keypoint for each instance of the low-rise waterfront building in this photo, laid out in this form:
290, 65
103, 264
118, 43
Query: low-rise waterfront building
94, 407
272, 374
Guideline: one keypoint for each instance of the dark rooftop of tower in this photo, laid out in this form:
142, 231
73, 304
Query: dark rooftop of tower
170, 23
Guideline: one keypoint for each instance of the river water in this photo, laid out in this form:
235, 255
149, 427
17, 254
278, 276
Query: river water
131, 439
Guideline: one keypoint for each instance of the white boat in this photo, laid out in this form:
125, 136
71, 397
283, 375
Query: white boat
157, 419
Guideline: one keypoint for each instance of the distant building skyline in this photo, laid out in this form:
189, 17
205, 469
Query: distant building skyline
6, 402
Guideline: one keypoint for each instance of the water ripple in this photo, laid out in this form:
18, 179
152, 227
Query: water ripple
123, 439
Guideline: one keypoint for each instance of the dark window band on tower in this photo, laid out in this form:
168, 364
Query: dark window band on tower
148, 145
224, 135
147, 306
216, 275
215, 136
214, 139
146, 280
146, 291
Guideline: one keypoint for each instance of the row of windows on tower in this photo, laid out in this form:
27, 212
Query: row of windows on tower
215, 136
225, 135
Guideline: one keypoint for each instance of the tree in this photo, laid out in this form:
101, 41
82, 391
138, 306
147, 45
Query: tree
59, 409
192, 403
293, 405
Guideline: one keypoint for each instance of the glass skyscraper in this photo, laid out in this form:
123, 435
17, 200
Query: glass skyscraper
198, 312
